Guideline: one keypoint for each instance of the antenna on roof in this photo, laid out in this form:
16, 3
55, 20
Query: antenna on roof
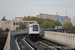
56, 13
19, 14
66, 12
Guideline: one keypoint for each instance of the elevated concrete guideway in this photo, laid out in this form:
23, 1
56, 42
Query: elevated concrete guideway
11, 45
61, 38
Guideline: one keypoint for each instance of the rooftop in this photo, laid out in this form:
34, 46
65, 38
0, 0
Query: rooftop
54, 15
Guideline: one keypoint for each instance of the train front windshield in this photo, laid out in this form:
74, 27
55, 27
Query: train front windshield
35, 27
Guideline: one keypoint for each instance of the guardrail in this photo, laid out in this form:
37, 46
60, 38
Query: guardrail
64, 30
7, 45
17, 32
54, 30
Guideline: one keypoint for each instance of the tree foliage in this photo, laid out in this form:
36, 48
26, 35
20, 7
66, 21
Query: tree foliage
57, 23
7, 29
74, 30
22, 26
67, 24
3, 19
44, 23
47, 25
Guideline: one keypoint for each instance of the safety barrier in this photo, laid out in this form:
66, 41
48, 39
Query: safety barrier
10, 42
16, 32
62, 38
7, 45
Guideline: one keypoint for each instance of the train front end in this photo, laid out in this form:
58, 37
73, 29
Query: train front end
34, 31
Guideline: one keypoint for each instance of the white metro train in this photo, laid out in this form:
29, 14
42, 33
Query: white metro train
34, 31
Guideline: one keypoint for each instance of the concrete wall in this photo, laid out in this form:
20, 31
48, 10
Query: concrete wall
17, 32
10, 42
0, 24
62, 38
7, 44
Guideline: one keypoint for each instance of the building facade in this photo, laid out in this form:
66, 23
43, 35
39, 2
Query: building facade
14, 24
61, 19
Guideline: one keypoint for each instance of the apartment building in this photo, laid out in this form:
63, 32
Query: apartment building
61, 19
14, 24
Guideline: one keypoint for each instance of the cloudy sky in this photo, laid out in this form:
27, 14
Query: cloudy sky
21, 8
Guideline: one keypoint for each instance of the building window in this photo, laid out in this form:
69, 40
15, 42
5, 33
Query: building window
5, 23
8, 23
58, 18
14, 28
62, 19
26, 23
31, 23
16, 23
20, 23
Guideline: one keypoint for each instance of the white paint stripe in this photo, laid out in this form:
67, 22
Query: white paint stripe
17, 44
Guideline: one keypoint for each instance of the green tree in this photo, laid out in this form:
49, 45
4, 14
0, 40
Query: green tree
3, 19
22, 26
7, 29
74, 30
42, 22
47, 25
57, 23
28, 18
67, 24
